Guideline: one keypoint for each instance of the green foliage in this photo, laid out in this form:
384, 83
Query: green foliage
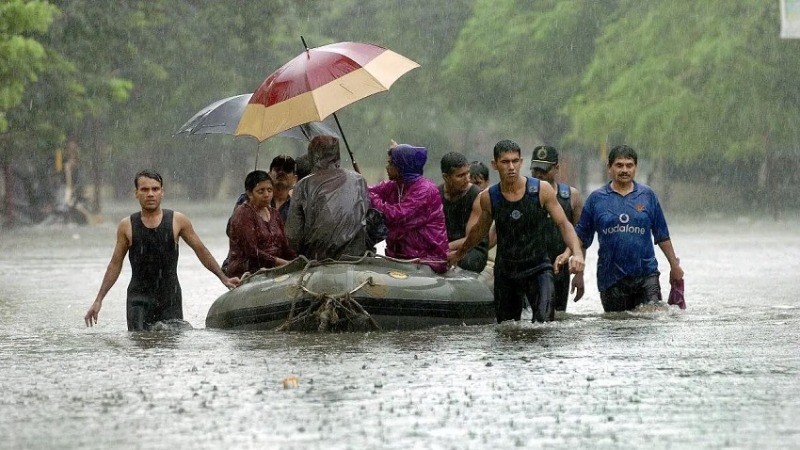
691, 80
685, 81
21, 55
522, 60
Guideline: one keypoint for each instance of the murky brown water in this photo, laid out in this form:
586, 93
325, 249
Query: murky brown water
723, 374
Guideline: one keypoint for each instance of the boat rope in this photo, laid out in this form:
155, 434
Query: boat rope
329, 312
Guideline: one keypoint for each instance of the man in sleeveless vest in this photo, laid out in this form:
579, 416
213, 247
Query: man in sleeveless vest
628, 220
519, 207
544, 166
151, 235
458, 195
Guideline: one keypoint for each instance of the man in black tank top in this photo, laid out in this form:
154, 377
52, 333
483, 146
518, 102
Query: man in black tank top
458, 196
151, 235
544, 166
519, 207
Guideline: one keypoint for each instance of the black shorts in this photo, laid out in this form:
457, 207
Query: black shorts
561, 285
630, 292
510, 293
143, 311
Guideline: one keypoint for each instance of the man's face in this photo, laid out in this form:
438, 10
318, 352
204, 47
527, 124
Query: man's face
548, 175
479, 181
622, 170
457, 180
508, 165
281, 178
149, 193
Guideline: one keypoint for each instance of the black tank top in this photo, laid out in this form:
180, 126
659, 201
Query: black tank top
457, 215
555, 243
521, 227
154, 258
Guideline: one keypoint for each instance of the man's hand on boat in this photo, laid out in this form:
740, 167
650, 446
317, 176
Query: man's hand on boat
232, 282
453, 258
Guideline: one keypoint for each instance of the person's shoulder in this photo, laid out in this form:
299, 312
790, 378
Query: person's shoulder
643, 189
179, 218
125, 223
598, 194
427, 184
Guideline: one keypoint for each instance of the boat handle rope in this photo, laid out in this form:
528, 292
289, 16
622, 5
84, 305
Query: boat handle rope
326, 306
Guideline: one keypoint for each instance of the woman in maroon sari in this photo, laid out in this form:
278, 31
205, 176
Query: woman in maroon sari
257, 238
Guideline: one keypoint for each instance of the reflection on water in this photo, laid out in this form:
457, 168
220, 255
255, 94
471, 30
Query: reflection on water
721, 374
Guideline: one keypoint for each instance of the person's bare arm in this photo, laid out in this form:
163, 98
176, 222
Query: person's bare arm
547, 197
123, 243
675, 270
480, 220
576, 201
186, 231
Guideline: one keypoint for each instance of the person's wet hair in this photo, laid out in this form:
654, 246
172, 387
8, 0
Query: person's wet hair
323, 142
304, 166
478, 169
148, 174
506, 146
622, 152
452, 161
283, 162
253, 178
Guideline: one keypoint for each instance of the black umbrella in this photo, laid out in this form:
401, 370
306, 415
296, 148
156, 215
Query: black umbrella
222, 117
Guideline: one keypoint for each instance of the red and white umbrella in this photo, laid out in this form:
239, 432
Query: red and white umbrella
319, 82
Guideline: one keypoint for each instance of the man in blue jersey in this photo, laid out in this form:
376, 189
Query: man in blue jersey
544, 166
628, 219
520, 207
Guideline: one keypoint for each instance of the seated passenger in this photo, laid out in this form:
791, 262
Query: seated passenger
327, 215
256, 234
282, 173
479, 174
412, 208
458, 196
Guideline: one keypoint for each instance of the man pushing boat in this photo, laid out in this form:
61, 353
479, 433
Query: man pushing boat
151, 235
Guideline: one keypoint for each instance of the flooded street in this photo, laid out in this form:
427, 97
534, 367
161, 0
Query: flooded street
722, 374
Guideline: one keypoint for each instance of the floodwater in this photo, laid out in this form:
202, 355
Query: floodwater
722, 374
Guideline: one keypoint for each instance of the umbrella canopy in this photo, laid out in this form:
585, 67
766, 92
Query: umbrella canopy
317, 83
222, 117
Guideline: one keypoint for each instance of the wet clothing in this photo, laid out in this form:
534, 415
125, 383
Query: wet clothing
456, 214
522, 267
415, 218
556, 246
627, 227
630, 292
284, 209
409, 161
327, 218
254, 242
154, 293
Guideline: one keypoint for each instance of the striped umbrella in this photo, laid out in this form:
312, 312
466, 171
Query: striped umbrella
319, 82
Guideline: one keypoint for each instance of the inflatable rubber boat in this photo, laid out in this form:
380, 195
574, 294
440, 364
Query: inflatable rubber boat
385, 293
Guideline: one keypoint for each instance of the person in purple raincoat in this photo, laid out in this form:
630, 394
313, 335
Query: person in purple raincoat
412, 208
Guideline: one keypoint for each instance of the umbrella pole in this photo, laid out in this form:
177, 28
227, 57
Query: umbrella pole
258, 150
347, 146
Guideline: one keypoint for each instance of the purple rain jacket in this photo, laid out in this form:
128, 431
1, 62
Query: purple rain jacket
413, 210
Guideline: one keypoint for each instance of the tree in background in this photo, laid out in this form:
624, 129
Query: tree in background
695, 81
